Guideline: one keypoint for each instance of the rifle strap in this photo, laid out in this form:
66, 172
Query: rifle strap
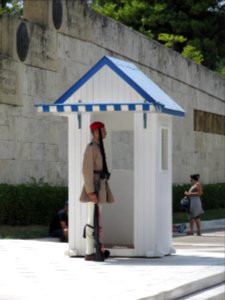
84, 231
102, 149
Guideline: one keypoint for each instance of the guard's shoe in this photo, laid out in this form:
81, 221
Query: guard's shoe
90, 257
106, 254
190, 233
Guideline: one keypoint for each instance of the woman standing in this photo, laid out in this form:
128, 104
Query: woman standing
195, 204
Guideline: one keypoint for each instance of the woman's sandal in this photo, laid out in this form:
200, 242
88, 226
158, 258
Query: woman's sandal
190, 233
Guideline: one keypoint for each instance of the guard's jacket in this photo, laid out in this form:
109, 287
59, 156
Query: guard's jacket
92, 164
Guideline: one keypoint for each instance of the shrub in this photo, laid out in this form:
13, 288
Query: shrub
33, 203
36, 202
213, 196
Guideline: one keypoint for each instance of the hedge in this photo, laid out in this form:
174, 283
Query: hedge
213, 196
28, 204
36, 203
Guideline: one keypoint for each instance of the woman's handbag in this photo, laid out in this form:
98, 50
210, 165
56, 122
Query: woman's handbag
185, 204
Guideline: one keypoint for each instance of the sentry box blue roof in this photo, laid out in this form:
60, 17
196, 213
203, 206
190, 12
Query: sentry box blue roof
113, 85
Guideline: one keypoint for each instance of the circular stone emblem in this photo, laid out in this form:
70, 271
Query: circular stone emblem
22, 41
57, 12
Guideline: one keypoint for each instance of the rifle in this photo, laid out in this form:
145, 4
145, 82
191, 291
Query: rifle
100, 253
98, 245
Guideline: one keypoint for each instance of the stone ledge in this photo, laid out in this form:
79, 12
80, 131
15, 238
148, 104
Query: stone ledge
49, 239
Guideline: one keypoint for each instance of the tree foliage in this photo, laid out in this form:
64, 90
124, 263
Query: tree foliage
11, 6
170, 39
192, 53
186, 26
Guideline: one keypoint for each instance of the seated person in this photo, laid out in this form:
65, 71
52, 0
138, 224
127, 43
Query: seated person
59, 224
180, 228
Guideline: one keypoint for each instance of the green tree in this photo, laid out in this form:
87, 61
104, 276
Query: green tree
192, 53
11, 6
170, 39
221, 67
167, 21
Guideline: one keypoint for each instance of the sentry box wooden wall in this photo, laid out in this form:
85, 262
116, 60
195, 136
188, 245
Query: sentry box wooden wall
138, 117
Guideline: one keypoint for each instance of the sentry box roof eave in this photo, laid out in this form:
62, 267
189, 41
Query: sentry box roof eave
113, 85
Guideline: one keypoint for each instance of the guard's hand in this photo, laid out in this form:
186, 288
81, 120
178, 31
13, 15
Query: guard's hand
186, 193
93, 198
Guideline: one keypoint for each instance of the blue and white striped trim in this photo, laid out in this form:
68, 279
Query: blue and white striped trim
94, 107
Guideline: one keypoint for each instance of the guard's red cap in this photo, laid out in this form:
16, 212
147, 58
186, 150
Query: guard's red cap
97, 125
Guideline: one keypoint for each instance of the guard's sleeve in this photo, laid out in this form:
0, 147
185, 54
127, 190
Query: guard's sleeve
88, 170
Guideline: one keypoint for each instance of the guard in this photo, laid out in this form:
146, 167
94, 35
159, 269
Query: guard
96, 191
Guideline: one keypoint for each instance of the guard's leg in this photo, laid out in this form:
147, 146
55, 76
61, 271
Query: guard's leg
100, 227
90, 230
106, 253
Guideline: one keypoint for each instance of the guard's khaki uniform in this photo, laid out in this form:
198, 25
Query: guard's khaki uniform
93, 162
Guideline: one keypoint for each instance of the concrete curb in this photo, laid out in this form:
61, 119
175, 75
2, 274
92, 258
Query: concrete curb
212, 293
210, 225
189, 288
213, 224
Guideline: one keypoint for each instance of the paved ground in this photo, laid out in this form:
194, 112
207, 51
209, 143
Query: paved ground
31, 270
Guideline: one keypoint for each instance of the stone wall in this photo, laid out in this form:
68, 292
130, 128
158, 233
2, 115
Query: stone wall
44, 53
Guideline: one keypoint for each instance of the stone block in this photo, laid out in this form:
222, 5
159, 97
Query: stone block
41, 129
57, 173
77, 54
15, 127
6, 34
69, 72
37, 151
94, 27
8, 171
40, 84
36, 11
7, 150
57, 132
73, 50
205, 174
43, 47
4, 116
33, 169
102, 31
28, 129
11, 81
199, 142
63, 153
94, 54
28, 109
74, 19
4, 132
22, 151
51, 153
